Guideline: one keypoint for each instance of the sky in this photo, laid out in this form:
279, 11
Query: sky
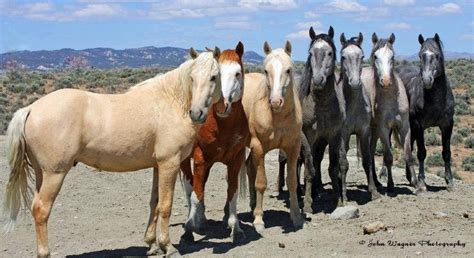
119, 24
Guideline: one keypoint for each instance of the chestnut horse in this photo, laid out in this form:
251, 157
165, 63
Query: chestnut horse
222, 138
152, 125
274, 115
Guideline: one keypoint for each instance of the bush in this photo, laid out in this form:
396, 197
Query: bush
17, 87
469, 142
456, 139
432, 139
379, 149
436, 159
461, 107
464, 131
441, 173
468, 164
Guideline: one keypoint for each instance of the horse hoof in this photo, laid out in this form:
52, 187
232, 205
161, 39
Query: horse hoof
298, 222
390, 189
450, 187
275, 194
187, 237
238, 237
172, 252
375, 195
259, 227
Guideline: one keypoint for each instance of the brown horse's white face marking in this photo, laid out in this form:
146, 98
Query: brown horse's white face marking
206, 84
278, 72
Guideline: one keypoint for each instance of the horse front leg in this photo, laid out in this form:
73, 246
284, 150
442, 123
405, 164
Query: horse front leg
168, 172
187, 173
295, 214
364, 141
373, 144
334, 155
405, 138
150, 234
344, 164
233, 169
387, 158
258, 160
418, 134
446, 132
309, 174
281, 172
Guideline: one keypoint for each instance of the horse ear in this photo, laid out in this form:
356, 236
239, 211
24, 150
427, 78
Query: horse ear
436, 37
360, 39
266, 48
375, 39
288, 47
421, 39
391, 39
217, 53
193, 53
331, 32
343, 39
312, 34
209, 49
240, 49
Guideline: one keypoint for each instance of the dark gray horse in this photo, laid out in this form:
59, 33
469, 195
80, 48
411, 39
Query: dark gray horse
391, 106
358, 111
323, 113
431, 102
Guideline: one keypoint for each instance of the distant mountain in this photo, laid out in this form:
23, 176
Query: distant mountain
106, 58
448, 55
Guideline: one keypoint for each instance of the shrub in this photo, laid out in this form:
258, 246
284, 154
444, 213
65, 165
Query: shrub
461, 107
441, 173
468, 164
469, 142
379, 149
432, 139
17, 87
464, 131
456, 139
435, 159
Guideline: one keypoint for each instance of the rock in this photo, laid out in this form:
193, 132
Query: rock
465, 215
440, 214
281, 245
374, 227
346, 212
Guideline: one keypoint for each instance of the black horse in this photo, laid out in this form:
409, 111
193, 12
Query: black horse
431, 102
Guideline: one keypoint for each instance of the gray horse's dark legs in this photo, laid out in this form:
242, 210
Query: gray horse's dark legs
421, 155
364, 142
373, 144
344, 165
334, 151
281, 172
318, 155
388, 160
446, 138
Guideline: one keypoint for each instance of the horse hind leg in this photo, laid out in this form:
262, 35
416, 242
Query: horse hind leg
405, 138
446, 139
344, 166
334, 155
197, 218
282, 159
295, 214
46, 192
367, 163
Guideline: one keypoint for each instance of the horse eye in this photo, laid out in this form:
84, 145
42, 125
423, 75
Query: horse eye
237, 74
288, 71
266, 72
343, 57
375, 57
362, 57
330, 54
213, 78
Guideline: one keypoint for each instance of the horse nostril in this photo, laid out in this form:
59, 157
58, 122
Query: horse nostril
230, 98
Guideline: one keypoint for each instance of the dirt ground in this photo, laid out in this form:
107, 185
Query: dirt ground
100, 214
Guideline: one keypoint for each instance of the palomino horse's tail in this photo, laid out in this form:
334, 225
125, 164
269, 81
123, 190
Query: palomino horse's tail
20, 174
243, 177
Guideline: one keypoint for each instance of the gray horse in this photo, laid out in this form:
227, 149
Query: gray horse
358, 111
391, 107
323, 113
431, 102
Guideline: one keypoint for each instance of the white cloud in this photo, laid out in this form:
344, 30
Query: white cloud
240, 23
302, 30
344, 6
472, 24
448, 8
398, 26
469, 37
399, 2
311, 14
98, 10
268, 4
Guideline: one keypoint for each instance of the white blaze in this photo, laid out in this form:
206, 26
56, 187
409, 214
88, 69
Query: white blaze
230, 83
384, 60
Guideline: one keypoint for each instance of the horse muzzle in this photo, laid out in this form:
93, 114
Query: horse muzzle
198, 116
428, 82
276, 104
227, 109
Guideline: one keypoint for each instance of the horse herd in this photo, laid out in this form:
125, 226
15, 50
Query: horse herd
201, 113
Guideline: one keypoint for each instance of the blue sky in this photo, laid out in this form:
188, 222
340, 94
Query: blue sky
79, 24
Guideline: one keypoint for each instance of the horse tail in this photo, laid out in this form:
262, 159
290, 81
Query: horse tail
396, 137
18, 187
243, 177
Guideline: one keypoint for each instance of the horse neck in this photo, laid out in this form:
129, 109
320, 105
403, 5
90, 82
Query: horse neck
178, 86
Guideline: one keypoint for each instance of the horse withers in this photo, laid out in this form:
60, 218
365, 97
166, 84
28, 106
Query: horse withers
153, 125
273, 112
431, 103
222, 138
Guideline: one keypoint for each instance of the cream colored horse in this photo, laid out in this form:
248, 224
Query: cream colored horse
152, 125
274, 115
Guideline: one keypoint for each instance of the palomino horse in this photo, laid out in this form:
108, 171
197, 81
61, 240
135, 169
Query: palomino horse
391, 106
358, 110
431, 103
152, 125
323, 113
222, 138
273, 111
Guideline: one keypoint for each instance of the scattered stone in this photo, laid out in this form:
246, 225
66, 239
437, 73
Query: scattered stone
465, 215
440, 215
374, 227
281, 245
419, 252
346, 212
